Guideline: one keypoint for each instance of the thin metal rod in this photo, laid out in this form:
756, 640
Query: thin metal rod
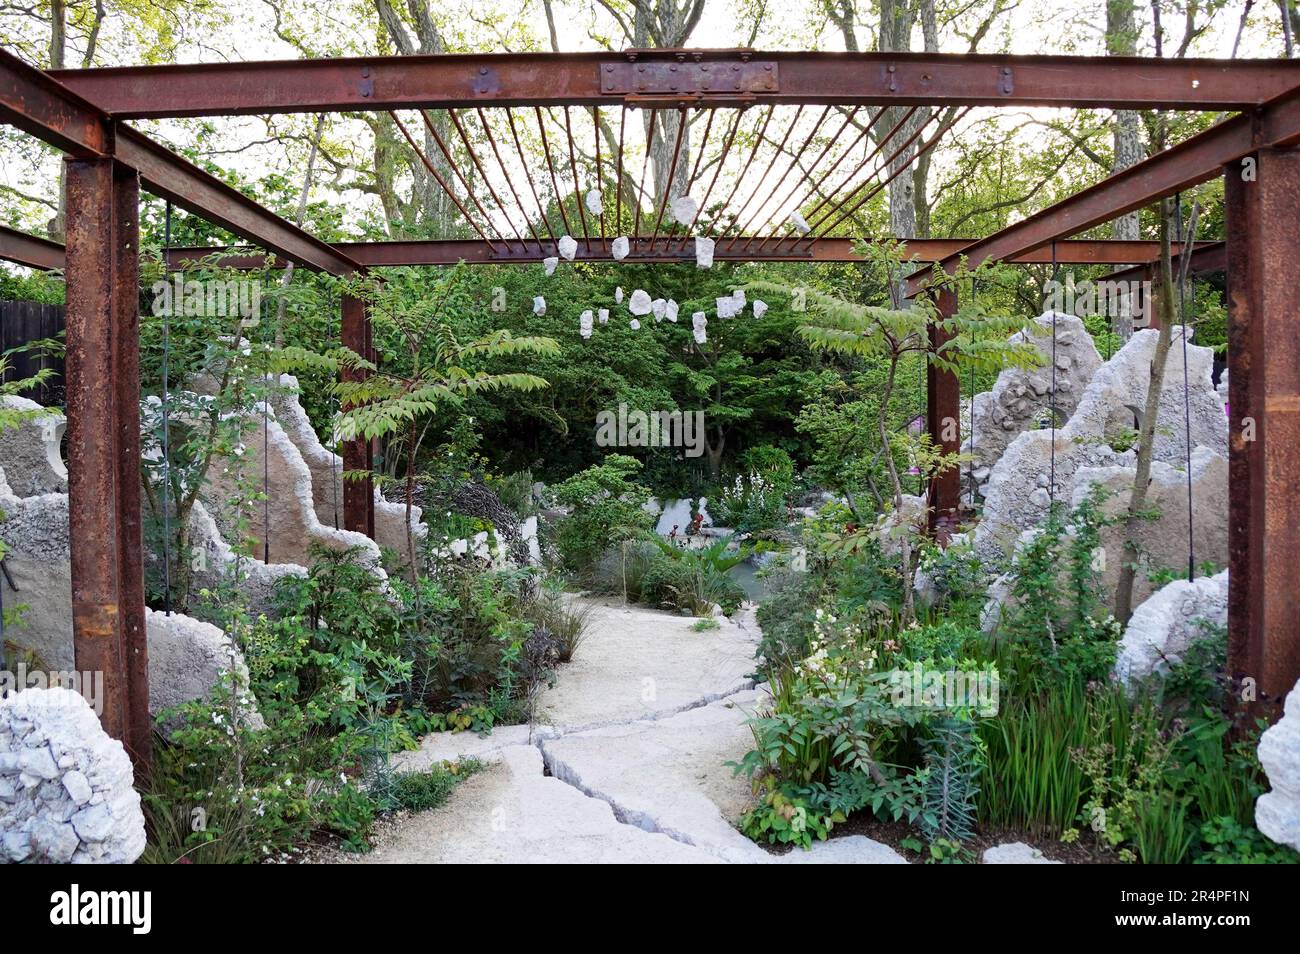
758, 186
473, 154
717, 171
600, 173
523, 161
843, 187
672, 171
550, 167
794, 164
704, 141
455, 167
758, 142
528, 219
816, 188
442, 182
165, 439
618, 176
577, 187
645, 166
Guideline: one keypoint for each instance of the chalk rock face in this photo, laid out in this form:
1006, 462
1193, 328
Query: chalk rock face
567, 246
1017, 493
65, 787
619, 249
891, 527
1021, 397
188, 658
684, 210
550, 263
29, 452
1162, 540
1016, 853
639, 303
327, 475
595, 204
1168, 622
1277, 812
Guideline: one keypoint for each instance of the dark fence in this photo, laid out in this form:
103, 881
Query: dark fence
22, 322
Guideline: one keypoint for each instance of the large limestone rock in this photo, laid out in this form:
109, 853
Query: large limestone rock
65, 787
1018, 493
1277, 812
29, 451
1168, 622
1016, 853
214, 563
188, 658
1021, 396
288, 519
326, 470
907, 522
1162, 540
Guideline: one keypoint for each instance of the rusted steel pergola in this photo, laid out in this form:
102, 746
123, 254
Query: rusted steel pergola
814, 133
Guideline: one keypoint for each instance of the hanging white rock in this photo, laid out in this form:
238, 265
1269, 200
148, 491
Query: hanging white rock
703, 252
549, 264
727, 307
639, 303
594, 203
539, 305
670, 310
699, 324
635, 325
685, 210
620, 247
760, 307
568, 247
604, 316
739, 295
618, 295
584, 324
799, 222
659, 306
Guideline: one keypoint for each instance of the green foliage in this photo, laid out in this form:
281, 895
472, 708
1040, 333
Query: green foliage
423, 791
607, 507
693, 578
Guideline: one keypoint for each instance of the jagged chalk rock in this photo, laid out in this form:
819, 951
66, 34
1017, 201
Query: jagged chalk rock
1277, 812
584, 324
799, 222
671, 310
619, 249
539, 305
639, 303
685, 210
188, 658
727, 307
739, 296
603, 315
567, 246
549, 264
86, 810
1168, 622
699, 326
1016, 853
634, 324
760, 308
618, 295
703, 252
658, 306
595, 205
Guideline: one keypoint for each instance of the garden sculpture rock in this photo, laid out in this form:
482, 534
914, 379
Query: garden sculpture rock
1168, 622
29, 451
699, 326
703, 252
685, 210
799, 222
539, 305
549, 264
584, 324
670, 310
595, 205
639, 303
760, 308
1277, 812
568, 247
619, 248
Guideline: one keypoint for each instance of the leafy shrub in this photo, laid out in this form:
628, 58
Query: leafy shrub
422, 791
607, 508
693, 579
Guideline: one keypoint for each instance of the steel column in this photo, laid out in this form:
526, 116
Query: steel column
1263, 229
103, 388
943, 421
358, 494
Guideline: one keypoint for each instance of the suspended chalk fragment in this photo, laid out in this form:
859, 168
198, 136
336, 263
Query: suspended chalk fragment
604, 316
685, 209
620, 247
760, 307
659, 306
539, 305
639, 303
699, 324
618, 295
568, 247
799, 222
727, 307
703, 252
594, 203
549, 264
634, 324
739, 295
670, 310
584, 324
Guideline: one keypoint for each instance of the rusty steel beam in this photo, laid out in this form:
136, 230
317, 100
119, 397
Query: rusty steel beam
668, 77
1206, 257
1191, 162
476, 252
1263, 219
943, 422
32, 101
30, 250
103, 392
358, 494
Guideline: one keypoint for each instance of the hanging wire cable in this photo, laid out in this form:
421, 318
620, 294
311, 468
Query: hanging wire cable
164, 440
1184, 270
334, 405
1051, 401
266, 440
600, 172
618, 175
974, 292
